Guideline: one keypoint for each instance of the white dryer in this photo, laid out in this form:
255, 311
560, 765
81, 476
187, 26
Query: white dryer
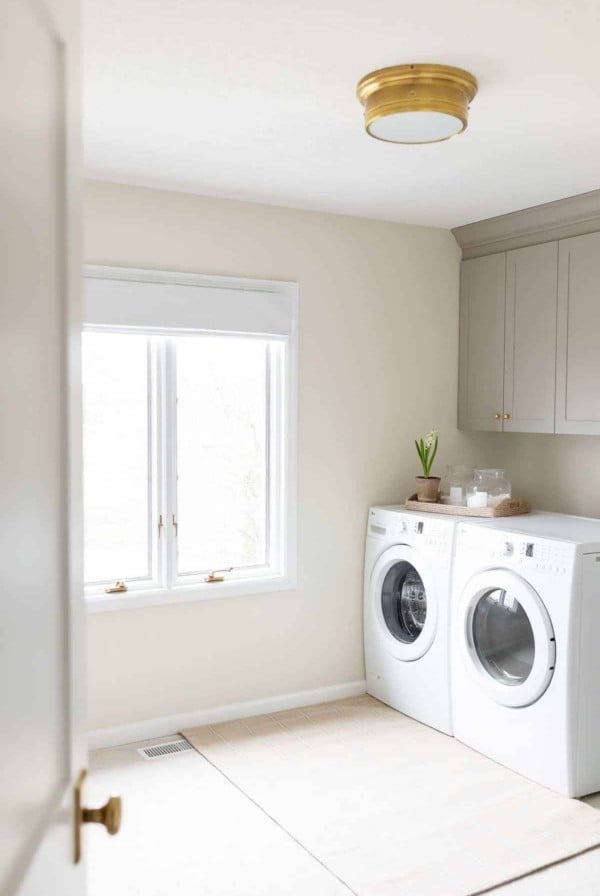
406, 607
526, 647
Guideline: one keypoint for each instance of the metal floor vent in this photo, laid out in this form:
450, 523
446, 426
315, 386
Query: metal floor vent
156, 751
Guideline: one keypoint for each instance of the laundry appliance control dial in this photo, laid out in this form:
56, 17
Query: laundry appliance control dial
508, 549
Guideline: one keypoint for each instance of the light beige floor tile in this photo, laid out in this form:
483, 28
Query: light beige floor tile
187, 831
260, 724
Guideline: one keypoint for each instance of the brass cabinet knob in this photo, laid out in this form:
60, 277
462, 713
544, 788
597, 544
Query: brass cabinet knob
497, 416
109, 815
507, 416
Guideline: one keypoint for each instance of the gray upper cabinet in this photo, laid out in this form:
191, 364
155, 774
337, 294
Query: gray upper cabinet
578, 348
481, 366
530, 341
508, 320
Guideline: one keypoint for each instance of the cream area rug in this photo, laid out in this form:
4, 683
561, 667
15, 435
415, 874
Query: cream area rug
392, 807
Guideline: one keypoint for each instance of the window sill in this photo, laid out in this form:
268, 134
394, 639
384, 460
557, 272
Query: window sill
131, 600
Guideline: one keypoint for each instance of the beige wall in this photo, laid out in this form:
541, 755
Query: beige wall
556, 472
378, 366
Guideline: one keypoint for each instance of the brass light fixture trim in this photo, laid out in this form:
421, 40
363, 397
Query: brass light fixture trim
419, 103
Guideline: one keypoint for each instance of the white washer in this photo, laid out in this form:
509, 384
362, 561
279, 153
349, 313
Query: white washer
526, 647
408, 562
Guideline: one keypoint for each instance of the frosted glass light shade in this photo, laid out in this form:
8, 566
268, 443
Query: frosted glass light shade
420, 103
415, 127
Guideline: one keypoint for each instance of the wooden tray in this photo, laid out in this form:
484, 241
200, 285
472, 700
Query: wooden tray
508, 507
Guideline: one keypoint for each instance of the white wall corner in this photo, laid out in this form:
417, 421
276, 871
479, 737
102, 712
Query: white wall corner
137, 731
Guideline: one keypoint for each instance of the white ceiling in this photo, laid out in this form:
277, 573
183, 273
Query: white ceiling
255, 99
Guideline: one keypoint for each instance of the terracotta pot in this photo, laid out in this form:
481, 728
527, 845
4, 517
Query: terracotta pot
428, 488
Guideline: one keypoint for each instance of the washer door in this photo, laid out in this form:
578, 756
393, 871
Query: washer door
506, 637
403, 603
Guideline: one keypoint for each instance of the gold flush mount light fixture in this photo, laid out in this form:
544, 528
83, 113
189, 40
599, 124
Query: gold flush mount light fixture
420, 103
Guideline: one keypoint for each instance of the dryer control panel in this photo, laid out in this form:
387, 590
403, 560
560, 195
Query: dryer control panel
545, 556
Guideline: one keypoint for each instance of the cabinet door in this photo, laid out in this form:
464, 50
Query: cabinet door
578, 342
530, 347
481, 366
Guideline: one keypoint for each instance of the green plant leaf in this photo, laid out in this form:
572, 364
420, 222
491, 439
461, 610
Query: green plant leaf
427, 454
433, 454
421, 452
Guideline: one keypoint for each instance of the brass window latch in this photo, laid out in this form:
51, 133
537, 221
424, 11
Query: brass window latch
117, 588
214, 576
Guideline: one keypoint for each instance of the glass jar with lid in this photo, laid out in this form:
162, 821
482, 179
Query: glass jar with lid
488, 488
453, 488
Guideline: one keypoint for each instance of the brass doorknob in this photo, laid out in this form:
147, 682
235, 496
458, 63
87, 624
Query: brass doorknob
507, 416
109, 815
497, 416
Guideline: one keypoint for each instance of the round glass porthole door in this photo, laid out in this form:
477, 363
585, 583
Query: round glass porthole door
403, 601
509, 640
503, 637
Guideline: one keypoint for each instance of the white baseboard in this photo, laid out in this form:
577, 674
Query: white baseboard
127, 734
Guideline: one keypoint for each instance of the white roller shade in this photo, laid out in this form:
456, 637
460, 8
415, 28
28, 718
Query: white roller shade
161, 300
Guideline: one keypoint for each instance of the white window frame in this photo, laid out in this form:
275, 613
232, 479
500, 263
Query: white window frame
282, 411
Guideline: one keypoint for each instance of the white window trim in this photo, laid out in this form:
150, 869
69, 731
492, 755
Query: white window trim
246, 583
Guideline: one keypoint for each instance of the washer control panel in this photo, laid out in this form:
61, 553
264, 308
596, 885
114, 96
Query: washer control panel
517, 550
428, 534
435, 536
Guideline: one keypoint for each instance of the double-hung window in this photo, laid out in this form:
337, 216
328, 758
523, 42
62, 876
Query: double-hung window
189, 436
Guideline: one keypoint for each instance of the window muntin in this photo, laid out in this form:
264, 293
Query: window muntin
184, 501
222, 456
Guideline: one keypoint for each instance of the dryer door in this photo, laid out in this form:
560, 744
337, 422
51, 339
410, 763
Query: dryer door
506, 637
403, 602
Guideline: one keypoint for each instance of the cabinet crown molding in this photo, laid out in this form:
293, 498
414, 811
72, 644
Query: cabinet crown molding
560, 219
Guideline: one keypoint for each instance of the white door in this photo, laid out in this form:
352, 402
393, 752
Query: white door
506, 637
41, 667
403, 603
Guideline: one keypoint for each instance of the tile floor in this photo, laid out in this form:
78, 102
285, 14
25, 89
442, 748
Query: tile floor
195, 834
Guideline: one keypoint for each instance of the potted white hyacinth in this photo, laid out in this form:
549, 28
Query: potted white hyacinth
428, 486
